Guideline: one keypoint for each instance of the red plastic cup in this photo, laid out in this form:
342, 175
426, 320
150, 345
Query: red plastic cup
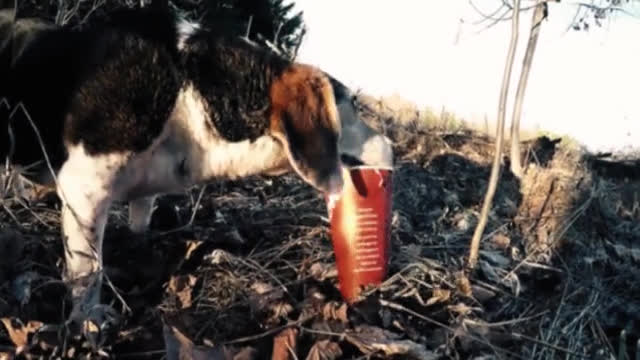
360, 228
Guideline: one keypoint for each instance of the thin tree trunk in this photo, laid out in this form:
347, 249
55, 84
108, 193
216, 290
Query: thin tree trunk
495, 168
536, 23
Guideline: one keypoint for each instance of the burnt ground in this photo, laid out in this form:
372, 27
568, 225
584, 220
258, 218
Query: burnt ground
252, 277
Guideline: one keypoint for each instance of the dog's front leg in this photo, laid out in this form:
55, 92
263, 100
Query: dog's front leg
86, 187
83, 223
140, 211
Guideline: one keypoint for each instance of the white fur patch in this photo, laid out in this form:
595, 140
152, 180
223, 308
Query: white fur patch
208, 156
185, 29
362, 142
377, 151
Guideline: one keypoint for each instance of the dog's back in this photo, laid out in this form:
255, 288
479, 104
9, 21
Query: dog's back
47, 64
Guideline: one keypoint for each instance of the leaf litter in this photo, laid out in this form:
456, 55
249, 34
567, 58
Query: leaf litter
253, 277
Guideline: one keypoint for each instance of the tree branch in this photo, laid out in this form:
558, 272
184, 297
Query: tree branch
246, 35
486, 17
508, 9
501, 18
598, 10
495, 169
539, 14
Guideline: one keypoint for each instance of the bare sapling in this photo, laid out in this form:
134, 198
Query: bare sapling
539, 14
495, 168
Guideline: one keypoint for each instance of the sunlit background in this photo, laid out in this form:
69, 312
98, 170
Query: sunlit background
434, 53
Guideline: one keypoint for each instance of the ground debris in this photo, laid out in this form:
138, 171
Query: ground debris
335, 311
19, 333
180, 347
438, 296
285, 345
182, 287
372, 340
559, 266
324, 350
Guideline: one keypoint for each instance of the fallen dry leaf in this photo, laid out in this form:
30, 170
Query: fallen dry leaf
90, 327
19, 332
322, 271
372, 339
182, 287
501, 241
460, 309
192, 245
285, 344
246, 353
324, 350
333, 311
267, 299
511, 280
313, 303
218, 256
21, 286
179, 347
71, 353
260, 287
279, 310
463, 284
438, 296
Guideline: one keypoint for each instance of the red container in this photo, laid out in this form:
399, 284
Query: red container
360, 228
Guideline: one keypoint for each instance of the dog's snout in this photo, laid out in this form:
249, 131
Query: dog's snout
335, 182
374, 150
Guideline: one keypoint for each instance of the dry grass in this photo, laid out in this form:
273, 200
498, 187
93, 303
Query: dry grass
557, 276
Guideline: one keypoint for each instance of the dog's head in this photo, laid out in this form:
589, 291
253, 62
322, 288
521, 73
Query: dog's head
304, 118
359, 143
315, 118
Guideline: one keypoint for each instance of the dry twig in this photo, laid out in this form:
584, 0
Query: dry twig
495, 168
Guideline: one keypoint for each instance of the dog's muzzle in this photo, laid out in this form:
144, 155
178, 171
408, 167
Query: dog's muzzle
360, 145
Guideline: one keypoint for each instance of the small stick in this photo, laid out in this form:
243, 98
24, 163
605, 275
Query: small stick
402, 308
191, 219
275, 36
246, 35
622, 345
269, 332
546, 344
496, 166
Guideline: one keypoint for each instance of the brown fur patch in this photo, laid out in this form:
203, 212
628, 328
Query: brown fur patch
304, 117
304, 91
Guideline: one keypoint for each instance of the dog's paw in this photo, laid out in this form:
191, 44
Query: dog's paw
95, 324
90, 320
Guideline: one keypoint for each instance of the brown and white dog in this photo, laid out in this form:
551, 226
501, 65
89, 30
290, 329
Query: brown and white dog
144, 104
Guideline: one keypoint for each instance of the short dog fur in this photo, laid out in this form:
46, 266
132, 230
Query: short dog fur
142, 104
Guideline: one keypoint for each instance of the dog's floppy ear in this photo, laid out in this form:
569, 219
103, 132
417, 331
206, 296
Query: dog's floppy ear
304, 118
